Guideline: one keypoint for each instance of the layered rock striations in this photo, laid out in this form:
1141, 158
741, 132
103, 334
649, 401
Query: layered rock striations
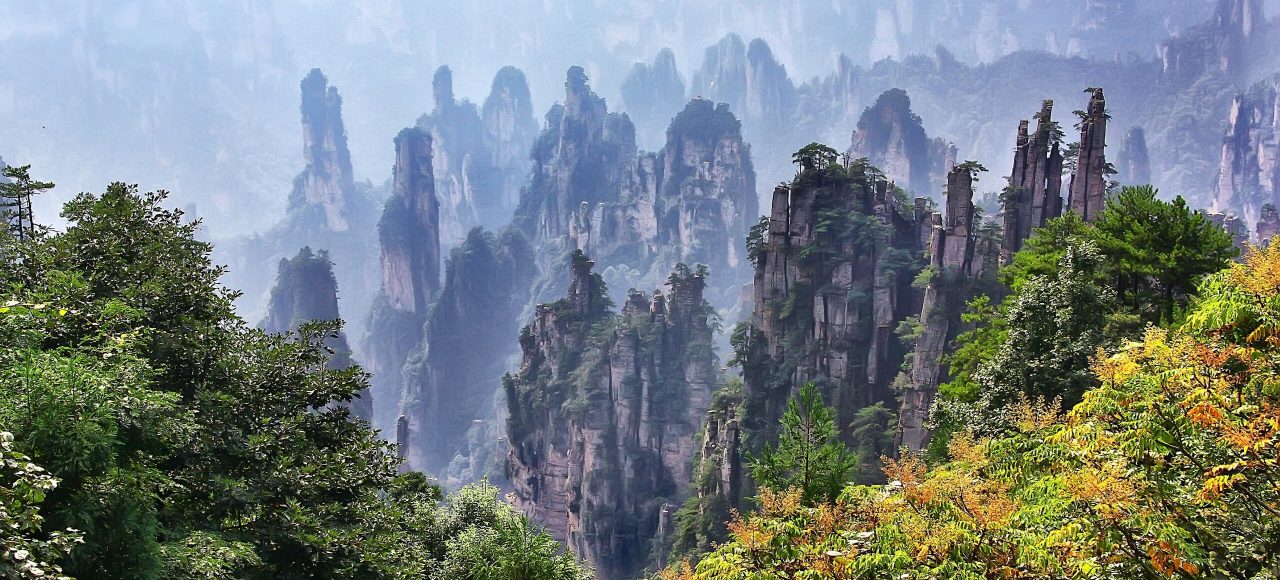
1088, 190
604, 412
954, 262
893, 139
1034, 194
450, 400
1223, 44
306, 291
409, 236
1133, 163
327, 183
638, 213
833, 273
1249, 169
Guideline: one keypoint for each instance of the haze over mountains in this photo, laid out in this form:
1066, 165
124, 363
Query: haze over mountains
202, 100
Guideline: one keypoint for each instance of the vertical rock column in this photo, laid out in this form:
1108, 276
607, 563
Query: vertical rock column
604, 412
307, 291
1035, 187
951, 252
327, 181
410, 256
1088, 193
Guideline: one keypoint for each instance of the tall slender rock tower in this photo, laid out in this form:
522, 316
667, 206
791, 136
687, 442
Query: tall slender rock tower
1089, 182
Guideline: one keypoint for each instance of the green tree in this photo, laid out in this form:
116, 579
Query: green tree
189, 445
815, 156
1050, 331
15, 200
1158, 251
809, 455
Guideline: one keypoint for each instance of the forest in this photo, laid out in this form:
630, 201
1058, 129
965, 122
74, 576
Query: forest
890, 289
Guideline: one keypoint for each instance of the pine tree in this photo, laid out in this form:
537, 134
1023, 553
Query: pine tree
809, 455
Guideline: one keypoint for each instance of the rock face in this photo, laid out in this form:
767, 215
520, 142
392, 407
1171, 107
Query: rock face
509, 132
892, 137
1268, 224
604, 411
1221, 44
1088, 192
1133, 164
327, 210
582, 155
1234, 227
1249, 170
652, 93
480, 157
1034, 195
952, 265
750, 79
833, 274
640, 213
409, 237
452, 379
326, 185
307, 291
689, 203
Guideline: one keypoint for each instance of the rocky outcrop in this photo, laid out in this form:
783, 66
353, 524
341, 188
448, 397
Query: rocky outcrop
509, 131
452, 380
306, 291
1088, 191
409, 236
652, 93
893, 138
1249, 169
327, 184
1268, 224
719, 483
1219, 45
1234, 226
466, 184
750, 80
833, 272
640, 213
327, 210
603, 414
1034, 194
582, 155
1133, 164
952, 265
771, 96
691, 203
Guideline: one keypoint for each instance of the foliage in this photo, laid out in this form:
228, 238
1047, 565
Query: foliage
188, 445
1158, 250
26, 551
1168, 468
16, 191
809, 455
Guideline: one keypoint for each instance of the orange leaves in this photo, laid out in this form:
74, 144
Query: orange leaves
1205, 414
1216, 485
780, 503
1166, 560
750, 533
